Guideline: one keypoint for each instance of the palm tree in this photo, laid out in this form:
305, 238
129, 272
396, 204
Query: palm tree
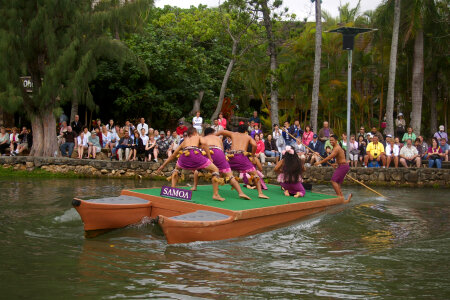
317, 59
392, 69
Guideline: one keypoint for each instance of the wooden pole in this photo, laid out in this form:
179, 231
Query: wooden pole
355, 180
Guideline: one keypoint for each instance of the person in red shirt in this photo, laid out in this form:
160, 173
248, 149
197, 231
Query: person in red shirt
260, 149
181, 129
222, 121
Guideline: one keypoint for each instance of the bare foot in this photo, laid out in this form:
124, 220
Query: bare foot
250, 187
194, 189
298, 195
244, 196
286, 193
262, 196
218, 198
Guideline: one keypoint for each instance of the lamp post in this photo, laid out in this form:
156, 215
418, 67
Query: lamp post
348, 36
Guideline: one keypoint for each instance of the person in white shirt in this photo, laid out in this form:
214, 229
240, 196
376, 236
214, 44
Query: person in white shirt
392, 151
277, 135
143, 136
197, 123
86, 132
409, 155
82, 144
143, 125
216, 126
110, 127
106, 140
353, 152
14, 140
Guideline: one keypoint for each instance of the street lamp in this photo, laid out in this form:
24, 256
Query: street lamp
348, 35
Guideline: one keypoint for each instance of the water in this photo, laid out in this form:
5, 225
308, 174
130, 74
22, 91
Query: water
372, 248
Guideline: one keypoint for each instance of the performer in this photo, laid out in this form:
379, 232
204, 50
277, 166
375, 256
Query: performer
237, 159
342, 165
219, 159
290, 170
191, 158
249, 181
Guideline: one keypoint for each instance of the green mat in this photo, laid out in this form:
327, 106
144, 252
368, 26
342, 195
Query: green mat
203, 195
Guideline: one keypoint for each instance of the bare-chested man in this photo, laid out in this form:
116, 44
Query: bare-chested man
342, 165
237, 160
219, 159
191, 158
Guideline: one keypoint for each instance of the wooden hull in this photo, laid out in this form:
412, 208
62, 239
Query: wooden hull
98, 216
241, 223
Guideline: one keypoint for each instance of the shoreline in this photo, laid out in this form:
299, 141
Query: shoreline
49, 167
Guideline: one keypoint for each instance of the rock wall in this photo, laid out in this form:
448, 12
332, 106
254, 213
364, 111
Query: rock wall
116, 169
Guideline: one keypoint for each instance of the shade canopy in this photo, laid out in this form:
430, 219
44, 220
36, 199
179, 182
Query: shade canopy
348, 34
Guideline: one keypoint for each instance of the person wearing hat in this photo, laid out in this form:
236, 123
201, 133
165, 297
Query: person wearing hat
181, 129
94, 145
441, 134
316, 149
400, 125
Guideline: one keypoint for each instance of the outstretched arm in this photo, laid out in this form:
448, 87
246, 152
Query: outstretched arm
279, 166
224, 133
170, 158
331, 156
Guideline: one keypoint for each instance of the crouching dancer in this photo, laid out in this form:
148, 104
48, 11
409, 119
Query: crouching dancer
290, 170
219, 159
191, 158
237, 159
342, 165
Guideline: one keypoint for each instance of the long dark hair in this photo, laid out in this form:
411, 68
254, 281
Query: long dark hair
292, 168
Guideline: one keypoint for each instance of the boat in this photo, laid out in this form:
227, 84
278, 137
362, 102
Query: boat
201, 218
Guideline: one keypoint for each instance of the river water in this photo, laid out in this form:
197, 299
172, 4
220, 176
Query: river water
371, 248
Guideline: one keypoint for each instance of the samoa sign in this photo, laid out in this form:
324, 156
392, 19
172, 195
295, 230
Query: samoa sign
171, 192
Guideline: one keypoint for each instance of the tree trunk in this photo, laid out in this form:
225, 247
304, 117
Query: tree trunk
273, 63
433, 111
74, 110
392, 70
417, 83
226, 77
197, 103
38, 136
317, 61
49, 129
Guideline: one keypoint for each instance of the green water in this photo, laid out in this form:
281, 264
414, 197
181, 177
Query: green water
372, 248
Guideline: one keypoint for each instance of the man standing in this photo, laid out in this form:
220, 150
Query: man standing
237, 159
325, 132
342, 166
76, 125
255, 118
141, 125
375, 152
197, 123
409, 155
441, 134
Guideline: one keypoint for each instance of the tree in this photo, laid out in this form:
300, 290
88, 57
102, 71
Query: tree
58, 43
317, 61
392, 69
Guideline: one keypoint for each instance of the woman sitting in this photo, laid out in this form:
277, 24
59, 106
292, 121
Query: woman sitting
94, 145
82, 144
435, 154
106, 140
151, 148
290, 170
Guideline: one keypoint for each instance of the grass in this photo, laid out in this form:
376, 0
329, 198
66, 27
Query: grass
36, 173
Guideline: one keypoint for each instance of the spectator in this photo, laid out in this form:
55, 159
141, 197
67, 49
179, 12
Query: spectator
255, 131
270, 148
107, 140
300, 149
151, 148
325, 132
82, 144
397, 142
376, 133
251, 126
375, 152
260, 148
362, 131
343, 142
317, 149
184, 136
86, 132
435, 154
362, 145
197, 122
163, 146
99, 135
130, 127
174, 141
307, 136
181, 129
217, 127
222, 121
137, 146
400, 125
25, 141
328, 151
4, 141
296, 130
441, 134
255, 118
76, 125
61, 133
93, 145
69, 142
227, 144
424, 145
261, 137
392, 152
409, 135
14, 141
125, 145
353, 152
422, 148
288, 139
445, 149
151, 131
143, 137
110, 127
156, 134
114, 141
141, 125
409, 155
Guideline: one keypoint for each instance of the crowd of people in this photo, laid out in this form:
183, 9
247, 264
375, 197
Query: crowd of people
141, 142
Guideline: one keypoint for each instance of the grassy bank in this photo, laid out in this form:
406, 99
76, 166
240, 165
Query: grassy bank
36, 173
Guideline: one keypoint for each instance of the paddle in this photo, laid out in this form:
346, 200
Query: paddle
355, 180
